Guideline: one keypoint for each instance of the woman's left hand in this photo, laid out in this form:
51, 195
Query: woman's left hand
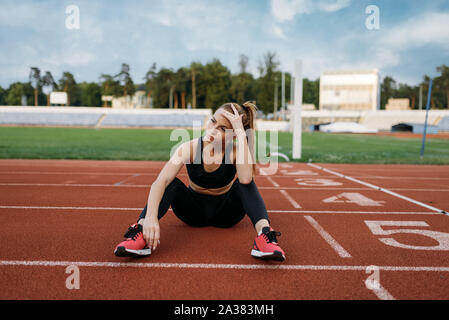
235, 119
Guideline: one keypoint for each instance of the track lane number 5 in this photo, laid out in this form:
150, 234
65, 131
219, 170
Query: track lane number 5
376, 227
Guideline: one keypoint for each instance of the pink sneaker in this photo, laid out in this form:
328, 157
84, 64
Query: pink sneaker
134, 245
266, 246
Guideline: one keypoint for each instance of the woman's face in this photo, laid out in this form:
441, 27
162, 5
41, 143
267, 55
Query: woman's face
216, 128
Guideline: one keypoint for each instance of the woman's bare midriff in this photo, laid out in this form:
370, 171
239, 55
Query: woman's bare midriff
209, 191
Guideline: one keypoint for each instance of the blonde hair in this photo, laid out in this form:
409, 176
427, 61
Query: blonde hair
248, 109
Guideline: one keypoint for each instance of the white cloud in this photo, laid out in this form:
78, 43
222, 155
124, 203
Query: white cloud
429, 28
199, 25
333, 5
393, 44
69, 58
286, 10
278, 32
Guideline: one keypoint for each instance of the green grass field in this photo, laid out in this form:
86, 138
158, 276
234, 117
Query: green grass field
145, 144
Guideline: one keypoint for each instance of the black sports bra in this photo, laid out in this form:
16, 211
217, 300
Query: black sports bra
218, 178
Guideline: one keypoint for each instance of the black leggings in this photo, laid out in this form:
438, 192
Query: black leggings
200, 210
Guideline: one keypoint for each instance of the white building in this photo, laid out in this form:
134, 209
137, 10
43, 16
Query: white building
350, 90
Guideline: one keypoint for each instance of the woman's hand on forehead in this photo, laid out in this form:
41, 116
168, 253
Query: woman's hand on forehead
234, 118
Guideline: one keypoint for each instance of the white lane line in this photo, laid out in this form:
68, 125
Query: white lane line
90, 173
73, 185
272, 181
46, 263
149, 185
329, 239
290, 199
272, 211
127, 179
379, 188
382, 293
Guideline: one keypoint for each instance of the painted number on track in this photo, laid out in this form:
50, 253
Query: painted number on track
317, 182
354, 197
298, 173
376, 228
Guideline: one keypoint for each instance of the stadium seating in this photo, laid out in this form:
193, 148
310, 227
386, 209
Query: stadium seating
443, 125
101, 117
49, 118
151, 120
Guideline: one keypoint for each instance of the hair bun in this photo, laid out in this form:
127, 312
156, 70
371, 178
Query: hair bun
250, 105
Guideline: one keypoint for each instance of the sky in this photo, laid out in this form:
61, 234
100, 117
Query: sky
411, 40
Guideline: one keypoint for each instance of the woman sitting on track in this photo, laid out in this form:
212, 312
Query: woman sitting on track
213, 197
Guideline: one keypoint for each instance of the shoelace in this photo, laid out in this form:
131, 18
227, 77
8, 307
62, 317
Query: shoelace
132, 233
271, 236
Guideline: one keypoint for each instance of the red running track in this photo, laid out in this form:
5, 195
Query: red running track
54, 214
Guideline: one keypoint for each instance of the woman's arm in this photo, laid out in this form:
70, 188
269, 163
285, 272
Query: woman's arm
151, 230
243, 158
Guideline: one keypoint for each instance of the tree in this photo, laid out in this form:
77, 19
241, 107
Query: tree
49, 84
243, 63
35, 80
195, 71
242, 84
444, 79
163, 84
2, 96
68, 84
13, 95
387, 90
149, 80
266, 82
311, 91
182, 79
405, 91
126, 80
109, 87
218, 81
90, 94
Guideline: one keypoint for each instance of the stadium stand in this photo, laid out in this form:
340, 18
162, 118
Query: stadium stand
49, 118
101, 117
151, 120
443, 125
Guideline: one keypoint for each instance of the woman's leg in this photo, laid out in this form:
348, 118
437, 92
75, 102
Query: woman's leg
241, 199
183, 204
245, 198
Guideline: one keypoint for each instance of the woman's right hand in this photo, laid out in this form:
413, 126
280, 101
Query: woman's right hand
151, 232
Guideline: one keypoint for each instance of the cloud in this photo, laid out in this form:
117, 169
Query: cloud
394, 43
429, 28
286, 10
278, 32
199, 25
69, 58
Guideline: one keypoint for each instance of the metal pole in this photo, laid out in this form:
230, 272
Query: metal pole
292, 88
429, 93
297, 122
283, 96
420, 97
275, 97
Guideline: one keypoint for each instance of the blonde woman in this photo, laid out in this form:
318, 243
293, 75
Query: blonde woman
214, 197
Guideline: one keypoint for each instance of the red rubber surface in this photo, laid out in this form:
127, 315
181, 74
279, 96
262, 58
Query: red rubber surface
77, 211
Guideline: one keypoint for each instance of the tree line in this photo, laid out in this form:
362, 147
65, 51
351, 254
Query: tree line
203, 86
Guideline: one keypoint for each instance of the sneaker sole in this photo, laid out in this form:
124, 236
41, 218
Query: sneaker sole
275, 255
123, 252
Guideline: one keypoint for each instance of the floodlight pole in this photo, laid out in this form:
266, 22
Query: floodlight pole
297, 121
429, 94
283, 96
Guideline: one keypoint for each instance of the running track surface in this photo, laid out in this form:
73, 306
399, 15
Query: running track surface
349, 232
